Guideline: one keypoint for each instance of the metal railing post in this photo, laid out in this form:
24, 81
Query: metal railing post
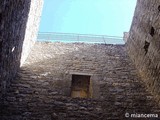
104, 40
78, 38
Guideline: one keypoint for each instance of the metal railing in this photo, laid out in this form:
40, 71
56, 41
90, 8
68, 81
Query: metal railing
72, 37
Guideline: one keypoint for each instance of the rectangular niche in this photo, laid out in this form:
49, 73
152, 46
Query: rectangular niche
81, 86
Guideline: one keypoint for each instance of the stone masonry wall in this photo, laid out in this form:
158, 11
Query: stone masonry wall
143, 43
42, 88
13, 18
31, 28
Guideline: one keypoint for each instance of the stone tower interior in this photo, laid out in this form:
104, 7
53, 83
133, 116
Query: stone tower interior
78, 81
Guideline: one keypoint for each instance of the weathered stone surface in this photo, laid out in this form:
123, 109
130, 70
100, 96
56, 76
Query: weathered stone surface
31, 28
41, 90
19, 21
143, 43
13, 19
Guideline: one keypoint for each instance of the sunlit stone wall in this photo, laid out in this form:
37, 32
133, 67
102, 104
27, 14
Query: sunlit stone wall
32, 28
143, 44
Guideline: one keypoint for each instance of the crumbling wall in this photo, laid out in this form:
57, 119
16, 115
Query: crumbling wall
143, 44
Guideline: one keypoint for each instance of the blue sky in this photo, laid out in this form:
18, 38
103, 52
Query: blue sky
103, 17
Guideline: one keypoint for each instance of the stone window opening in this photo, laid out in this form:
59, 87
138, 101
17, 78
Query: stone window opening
146, 46
0, 46
159, 8
1, 51
81, 86
0, 18
152, 31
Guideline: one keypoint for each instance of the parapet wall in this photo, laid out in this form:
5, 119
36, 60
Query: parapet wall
143, 44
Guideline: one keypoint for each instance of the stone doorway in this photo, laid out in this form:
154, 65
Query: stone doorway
81, 86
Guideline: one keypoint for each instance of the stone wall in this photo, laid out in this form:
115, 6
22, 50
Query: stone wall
42, 88
13, 18
31, 28
143, 43
83, 59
